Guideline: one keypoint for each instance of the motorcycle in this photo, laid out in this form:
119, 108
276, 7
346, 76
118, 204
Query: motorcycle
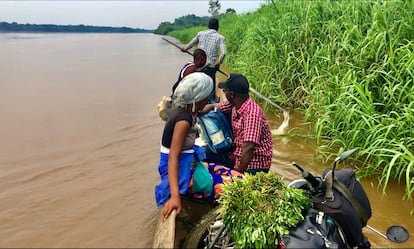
340, 209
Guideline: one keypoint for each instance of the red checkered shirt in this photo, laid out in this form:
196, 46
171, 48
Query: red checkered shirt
250, 125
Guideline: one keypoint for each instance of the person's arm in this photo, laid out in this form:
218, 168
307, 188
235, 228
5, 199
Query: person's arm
226, 107
190, 44
208, 108
252, 130
180, 132
246, 157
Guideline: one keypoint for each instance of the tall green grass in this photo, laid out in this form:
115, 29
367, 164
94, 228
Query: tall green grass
187, 34
348, 64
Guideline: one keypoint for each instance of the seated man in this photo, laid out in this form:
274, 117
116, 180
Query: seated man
252, 136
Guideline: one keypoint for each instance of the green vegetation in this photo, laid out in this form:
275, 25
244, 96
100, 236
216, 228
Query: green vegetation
348, 64
185, 24
187, 34
259, 208
15, 27
181, 23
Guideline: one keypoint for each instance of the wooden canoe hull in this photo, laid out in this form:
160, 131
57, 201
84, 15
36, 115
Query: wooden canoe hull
172, 232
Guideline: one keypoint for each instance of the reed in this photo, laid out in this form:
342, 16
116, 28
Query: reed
186, 35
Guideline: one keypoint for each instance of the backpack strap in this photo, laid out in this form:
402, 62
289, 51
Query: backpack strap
187, 65
224, 120
341, 188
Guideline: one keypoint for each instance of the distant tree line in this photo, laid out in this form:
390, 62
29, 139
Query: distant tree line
15, 27
187, 21
180, 23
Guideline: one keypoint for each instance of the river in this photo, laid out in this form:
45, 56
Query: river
79, 142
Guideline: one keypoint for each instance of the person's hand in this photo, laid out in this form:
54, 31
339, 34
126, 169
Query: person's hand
208, 108
170, 205
217, 66
183, 50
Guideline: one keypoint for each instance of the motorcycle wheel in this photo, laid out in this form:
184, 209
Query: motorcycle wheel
206, 229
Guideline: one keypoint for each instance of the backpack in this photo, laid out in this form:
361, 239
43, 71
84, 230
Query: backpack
344, 210
216, 131
317, 230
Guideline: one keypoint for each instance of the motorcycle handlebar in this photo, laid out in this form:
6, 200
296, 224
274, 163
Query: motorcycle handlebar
311, 179
315, 183
298, 167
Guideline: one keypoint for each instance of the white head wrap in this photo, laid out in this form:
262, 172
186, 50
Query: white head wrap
192, 89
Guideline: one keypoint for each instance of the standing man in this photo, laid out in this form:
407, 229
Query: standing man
211, 42
252, 152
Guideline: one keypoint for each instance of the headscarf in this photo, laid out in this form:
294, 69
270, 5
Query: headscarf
192, 89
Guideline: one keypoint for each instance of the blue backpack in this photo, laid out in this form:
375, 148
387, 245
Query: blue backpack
216, 130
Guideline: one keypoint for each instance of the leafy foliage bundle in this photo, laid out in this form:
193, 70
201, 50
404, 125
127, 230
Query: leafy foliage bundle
259, 208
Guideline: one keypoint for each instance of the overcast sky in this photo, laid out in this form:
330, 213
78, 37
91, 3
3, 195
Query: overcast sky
145, 14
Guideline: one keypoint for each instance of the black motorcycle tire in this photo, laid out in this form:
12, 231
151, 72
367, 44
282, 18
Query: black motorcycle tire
195, 238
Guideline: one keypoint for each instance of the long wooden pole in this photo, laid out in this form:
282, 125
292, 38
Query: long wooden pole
175, 45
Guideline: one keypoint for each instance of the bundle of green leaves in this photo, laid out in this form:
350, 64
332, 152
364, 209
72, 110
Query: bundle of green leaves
259, 208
